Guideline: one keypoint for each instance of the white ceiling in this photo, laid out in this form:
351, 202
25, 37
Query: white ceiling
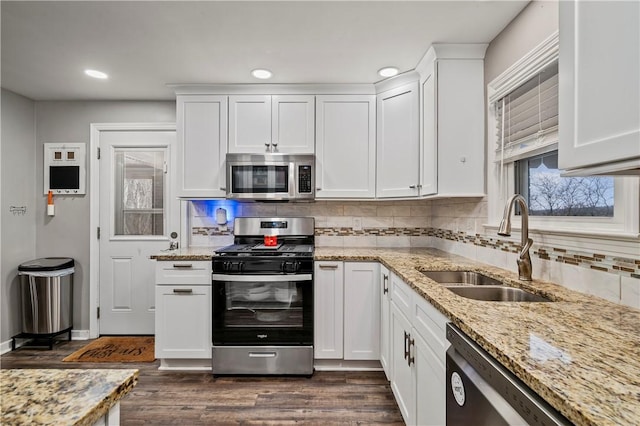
145, 45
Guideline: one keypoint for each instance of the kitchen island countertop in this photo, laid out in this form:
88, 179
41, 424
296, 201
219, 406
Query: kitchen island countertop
61, 396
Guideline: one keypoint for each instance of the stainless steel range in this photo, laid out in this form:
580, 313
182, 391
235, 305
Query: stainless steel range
262, 299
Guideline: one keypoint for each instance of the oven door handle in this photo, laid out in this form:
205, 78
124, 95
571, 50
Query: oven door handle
261, 278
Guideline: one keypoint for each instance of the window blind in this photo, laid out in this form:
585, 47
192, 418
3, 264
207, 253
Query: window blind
527, 118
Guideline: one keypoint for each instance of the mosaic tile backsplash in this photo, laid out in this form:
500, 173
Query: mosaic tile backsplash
599, 262
454, 226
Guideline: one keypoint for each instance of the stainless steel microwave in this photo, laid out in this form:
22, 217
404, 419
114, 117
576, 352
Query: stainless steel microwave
271, 177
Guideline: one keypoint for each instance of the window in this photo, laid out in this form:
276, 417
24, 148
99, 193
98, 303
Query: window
549, 194
527, 135
600, 213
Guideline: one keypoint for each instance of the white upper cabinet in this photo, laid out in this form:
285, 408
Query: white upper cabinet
202, 145
452, 118
345, 146
398, 142
265, 123
599, 83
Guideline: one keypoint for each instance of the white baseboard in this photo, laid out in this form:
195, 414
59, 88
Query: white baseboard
75, 335
346, 365
196, 365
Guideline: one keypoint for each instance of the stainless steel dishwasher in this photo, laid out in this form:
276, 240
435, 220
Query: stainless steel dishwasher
480, 391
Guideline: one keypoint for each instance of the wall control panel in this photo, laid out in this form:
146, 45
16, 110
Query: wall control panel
65, 170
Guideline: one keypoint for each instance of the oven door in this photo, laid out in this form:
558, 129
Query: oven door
262, 309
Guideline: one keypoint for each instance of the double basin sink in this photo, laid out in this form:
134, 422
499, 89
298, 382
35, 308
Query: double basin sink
474, 285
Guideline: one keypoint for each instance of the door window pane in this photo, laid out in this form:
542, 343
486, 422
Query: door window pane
139, 191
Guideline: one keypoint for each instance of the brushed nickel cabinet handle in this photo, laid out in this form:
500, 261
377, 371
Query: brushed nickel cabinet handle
183, 290
385, 283
182, 265
411, 359
328, 266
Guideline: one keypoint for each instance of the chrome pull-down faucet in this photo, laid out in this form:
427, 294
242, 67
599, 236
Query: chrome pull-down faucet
524, 260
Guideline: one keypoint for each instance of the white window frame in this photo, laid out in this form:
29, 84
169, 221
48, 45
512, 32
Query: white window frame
618, 235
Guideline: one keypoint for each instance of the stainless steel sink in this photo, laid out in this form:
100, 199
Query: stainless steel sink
474, 285
457, 278
497, 294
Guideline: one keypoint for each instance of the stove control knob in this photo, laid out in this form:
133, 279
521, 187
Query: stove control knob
290, 267
233, 266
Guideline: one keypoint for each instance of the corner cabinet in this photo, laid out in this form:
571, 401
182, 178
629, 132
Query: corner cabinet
272, 123
599, 100
452, 114
398, 142
345, 146
346, 311
183, 313
202, 145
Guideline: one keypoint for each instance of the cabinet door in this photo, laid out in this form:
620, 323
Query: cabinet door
599, 109
249, 124
385, 320
183, 321
429, 164
430, 376
402, 383
328, 310
398, 148
361, 311
345, 146
202, 145
460, 127
293, 122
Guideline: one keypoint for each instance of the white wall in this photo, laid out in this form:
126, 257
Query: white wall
67, 233
18, 234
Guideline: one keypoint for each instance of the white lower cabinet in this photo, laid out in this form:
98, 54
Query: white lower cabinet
417, 356
402, 378
346, 311
183, 310
361, 311
328, 310
385, 334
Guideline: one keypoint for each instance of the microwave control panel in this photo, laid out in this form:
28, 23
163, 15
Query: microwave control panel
304, 179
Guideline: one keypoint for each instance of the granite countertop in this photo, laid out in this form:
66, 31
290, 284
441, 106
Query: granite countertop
580, 353
188, 253
61, 396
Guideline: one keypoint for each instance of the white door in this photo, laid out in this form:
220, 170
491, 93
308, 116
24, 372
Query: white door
137, 213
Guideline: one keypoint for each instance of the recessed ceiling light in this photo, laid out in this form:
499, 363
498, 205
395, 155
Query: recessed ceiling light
261, 74
388, 71
96, 74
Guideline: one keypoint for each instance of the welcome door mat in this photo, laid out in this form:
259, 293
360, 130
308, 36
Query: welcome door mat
116, 349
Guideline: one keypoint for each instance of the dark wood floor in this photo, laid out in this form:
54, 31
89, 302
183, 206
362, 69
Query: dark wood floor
197, 398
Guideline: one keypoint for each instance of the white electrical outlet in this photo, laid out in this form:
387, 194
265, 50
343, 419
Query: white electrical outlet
357, 224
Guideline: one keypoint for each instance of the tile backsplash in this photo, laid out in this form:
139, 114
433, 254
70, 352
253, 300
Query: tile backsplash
452, 225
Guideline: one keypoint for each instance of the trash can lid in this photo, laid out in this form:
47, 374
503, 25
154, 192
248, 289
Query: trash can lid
47, 264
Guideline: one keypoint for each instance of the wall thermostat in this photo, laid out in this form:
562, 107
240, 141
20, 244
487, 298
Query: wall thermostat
65, 168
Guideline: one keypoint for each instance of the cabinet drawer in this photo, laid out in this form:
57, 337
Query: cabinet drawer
430, 324
179, 272
402, 295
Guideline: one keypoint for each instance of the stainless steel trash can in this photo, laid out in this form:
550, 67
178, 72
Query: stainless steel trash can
47, 295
